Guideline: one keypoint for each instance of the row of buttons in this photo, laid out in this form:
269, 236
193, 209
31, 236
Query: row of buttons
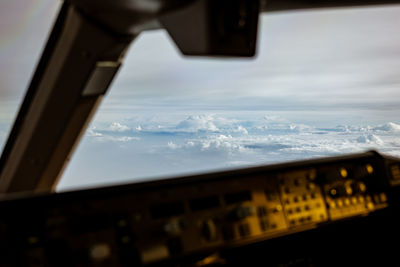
297, 199
339, 203
266, 225
301, 209
228, 232
305, 219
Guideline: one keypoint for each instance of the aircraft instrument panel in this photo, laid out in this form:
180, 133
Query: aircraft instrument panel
204, 220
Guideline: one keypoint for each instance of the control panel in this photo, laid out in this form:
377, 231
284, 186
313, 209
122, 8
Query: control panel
191, 217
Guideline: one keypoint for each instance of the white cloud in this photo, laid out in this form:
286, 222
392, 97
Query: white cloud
118, 139
272, 119
107, 136
93, 133
388, 127
370, 139
171, 145
241, 129
117, 127
288, 140
220, 142
261, 138
198, 123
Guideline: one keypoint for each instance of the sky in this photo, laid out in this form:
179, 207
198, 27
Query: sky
323, 83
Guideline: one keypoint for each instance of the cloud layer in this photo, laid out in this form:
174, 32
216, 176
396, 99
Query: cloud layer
143, 149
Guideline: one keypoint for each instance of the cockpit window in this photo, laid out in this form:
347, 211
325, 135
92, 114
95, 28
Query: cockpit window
323, 83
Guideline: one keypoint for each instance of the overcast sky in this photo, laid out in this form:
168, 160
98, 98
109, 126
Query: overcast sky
323, 83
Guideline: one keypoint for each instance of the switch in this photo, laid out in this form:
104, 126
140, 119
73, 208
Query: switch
208, 230
261, 211
244, 230
264, 225
241, 213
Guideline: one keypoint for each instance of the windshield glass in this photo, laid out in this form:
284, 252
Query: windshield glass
24, 27
323, 83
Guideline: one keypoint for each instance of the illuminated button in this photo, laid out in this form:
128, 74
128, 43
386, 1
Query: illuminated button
100, 252
346, 202
332, 205
333, 192
369, 168
343, 172
278, 208
370, 205
361, 187
383, 197
349, 190
310, 186
354, 200
312, 175
361, 199
339, 203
